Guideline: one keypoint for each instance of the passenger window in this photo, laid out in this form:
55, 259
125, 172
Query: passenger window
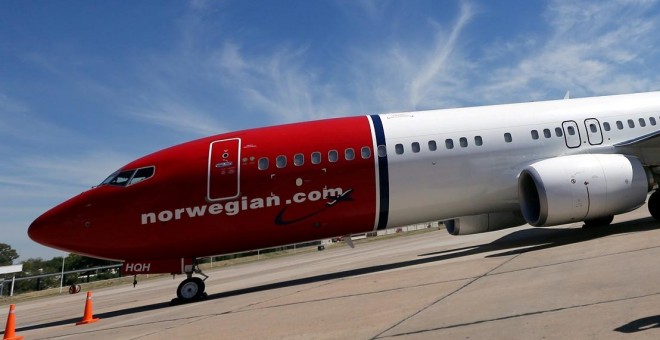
382, 151
571, 130
547, 133
432, 145
142, 174
263, 163
478, 141
642, 122
559, 132
593, 128
365, 152
349, 154
606, 126
280, 161
535, 134
415, 147
507, 137
298, 159
333, 156
631, 124
449, 143
316, 157
652, 120
619, 125
463, 142
398, 149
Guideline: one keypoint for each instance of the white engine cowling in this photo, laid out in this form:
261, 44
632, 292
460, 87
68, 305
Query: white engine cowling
482, 223
581, 187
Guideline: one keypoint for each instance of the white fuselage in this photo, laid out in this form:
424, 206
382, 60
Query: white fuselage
469, 179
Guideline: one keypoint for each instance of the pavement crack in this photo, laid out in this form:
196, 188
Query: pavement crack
240, 310
471, 281
95, 331
513, 316
576, 260
247, 307
199, 318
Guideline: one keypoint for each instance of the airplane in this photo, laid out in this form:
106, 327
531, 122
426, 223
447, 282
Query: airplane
478, 169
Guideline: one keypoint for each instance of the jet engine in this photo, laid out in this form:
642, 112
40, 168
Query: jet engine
581, 187
482, 223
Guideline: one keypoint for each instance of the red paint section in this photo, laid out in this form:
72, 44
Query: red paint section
188, 209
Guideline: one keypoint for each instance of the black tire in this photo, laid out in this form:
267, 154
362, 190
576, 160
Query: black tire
191, 289
654, 205
599, 222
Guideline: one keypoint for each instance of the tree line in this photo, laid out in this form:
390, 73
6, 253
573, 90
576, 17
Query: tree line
38, 266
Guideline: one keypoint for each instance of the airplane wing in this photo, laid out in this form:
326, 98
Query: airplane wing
645, 147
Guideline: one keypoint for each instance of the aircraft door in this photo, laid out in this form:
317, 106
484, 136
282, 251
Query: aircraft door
594, 133
571, 134
224, 170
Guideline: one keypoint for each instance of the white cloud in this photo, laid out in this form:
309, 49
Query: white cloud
370, 7
178, 116
279, 84
10, 105
415, 72
434, 65
18, 122
38, 182
590, 48
593, 48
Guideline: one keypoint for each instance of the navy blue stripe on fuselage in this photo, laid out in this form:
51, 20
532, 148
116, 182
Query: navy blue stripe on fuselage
383, 175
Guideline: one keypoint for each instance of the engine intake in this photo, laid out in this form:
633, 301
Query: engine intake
581, 187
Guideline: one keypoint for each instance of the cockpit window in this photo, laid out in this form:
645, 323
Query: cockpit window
142, 174
119, 178
129, 177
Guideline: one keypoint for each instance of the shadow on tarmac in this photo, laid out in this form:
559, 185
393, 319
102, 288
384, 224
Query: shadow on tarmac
640, 325
534, 239
518, 242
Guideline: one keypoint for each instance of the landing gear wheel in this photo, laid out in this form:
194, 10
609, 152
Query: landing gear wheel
654, 205
598, 222
191, 289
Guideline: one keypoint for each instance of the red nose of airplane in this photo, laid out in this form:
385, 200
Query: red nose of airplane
49, 229
54, 227
38, 230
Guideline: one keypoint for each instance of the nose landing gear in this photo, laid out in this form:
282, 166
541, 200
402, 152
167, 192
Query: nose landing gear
192, 288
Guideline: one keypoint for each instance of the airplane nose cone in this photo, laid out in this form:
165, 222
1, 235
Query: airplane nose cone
36, 231
54, 227
45, 229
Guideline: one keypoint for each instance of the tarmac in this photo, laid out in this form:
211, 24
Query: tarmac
520, 283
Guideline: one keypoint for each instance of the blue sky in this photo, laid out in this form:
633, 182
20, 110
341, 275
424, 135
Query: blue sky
87, 86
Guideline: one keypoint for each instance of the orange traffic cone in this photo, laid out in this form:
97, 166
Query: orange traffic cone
88, 317
11, 325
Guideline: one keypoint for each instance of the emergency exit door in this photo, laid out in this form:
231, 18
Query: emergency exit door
594, 133
571, 134
224, 173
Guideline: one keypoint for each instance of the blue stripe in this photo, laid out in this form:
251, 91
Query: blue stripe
383, 174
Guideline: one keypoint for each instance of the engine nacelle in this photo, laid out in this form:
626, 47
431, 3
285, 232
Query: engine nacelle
475, 224
581, 187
